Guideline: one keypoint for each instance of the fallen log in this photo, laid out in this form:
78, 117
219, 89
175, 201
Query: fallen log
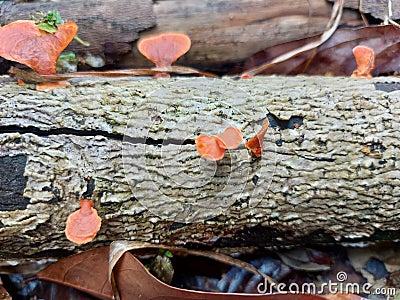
222, 32
329, 171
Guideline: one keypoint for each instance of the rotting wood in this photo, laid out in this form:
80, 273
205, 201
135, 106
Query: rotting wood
330, 161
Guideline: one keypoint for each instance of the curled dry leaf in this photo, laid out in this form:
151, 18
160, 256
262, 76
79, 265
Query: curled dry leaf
131, 280
83, 224
86, 271
255, 144
22, 41
127, 278
365, 58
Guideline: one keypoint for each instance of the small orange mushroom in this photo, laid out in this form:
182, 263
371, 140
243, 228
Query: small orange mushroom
231, 138
365, 59
50, 85
209, 147
83, 224
164, 49
22, 41
246, 76
255, 144
214, 147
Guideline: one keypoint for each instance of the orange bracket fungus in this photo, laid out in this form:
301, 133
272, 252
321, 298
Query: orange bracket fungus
214, 147
164, 49
255, 144
22, 41
83, 224
365, 59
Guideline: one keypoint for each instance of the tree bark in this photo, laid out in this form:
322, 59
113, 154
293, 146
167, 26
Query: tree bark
329, 170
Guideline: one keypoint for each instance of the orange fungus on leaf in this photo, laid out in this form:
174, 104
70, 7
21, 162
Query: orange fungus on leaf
365, 59
83, 224
164, 49
255, 144
209, 148
231, 138
22, 41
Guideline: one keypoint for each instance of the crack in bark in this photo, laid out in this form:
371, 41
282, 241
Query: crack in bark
89, 133
314, 158
292, 123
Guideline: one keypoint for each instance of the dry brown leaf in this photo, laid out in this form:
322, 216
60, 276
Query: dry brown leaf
85, 272
331, 28
118, 248
335, 56
133, 281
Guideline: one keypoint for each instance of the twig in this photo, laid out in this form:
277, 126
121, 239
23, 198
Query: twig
36, 78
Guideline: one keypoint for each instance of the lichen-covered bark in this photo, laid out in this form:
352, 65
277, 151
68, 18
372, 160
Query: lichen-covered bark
330, 160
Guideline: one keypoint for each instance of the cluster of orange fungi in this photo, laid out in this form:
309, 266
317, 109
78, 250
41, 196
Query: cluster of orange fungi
213, 147
83, 224
365, 59
25, 43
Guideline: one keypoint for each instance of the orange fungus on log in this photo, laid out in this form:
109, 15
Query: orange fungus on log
83, 224
365, 59
22, 41
209, 148
255, 144
50, 85
231, 138
214, 147
164, 49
